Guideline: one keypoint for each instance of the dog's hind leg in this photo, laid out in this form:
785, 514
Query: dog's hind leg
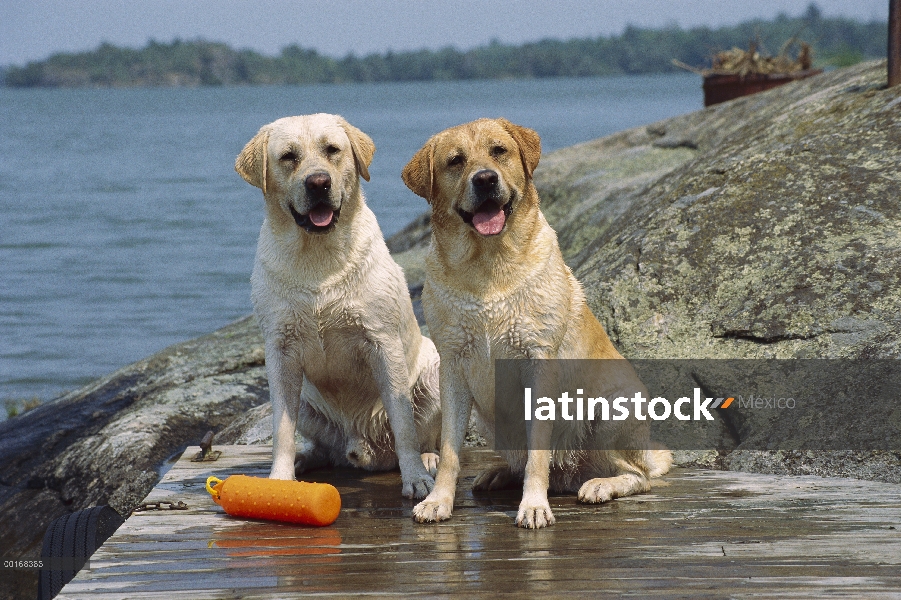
627, 480
602, 489
497, 478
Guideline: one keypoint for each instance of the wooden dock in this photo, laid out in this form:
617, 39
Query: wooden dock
699, 534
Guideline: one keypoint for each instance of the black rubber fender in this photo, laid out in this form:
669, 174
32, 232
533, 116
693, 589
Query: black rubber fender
75, 535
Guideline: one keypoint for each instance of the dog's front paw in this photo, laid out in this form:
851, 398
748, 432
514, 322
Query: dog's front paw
432, 510
535, 515
498, 478
418, 485
595, 491
430, 462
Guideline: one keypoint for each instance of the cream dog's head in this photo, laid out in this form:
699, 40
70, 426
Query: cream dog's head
476, 176
308, 168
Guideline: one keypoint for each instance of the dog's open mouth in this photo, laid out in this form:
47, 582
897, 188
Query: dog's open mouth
489, 219
320, 219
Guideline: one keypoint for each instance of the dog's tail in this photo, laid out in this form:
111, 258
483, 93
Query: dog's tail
659, 461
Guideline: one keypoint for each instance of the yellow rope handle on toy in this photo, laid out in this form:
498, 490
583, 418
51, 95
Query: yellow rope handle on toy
210, 489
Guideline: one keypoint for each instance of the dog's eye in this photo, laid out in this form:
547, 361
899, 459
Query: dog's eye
457, 159
332, 149
498, 151
288, 157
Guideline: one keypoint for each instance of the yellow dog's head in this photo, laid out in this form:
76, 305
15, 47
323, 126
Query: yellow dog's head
477, 176
308, 168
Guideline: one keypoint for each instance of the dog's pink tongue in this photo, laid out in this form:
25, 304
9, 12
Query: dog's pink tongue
489, 220
321, 215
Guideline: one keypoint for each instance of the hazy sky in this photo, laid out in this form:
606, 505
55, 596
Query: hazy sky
34, 29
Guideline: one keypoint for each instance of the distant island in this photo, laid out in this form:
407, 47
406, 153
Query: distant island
835, 41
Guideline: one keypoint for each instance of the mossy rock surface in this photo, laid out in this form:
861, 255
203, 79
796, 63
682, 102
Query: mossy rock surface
780, 238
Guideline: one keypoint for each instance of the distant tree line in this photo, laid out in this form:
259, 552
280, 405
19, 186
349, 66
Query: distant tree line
835, 41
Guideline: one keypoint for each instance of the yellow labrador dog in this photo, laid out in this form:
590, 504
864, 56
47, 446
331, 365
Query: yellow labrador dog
344, 355
496, 288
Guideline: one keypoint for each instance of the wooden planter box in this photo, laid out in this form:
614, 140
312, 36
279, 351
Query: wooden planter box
720, 88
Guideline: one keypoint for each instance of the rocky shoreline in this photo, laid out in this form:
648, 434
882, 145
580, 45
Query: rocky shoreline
766, 227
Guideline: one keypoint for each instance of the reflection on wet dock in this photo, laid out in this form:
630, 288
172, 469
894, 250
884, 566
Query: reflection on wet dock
697, 534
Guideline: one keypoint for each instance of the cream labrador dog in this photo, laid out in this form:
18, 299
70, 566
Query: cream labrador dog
345, 359
497, 288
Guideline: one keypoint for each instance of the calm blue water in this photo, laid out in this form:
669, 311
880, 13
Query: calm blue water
124, 228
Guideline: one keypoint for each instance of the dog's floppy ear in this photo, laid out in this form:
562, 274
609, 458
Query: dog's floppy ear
251, 163
529, 144
362, 147
419, 174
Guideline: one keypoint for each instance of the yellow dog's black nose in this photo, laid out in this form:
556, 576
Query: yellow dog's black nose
484, 180
318, 183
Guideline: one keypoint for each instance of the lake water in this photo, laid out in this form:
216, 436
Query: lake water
124, 228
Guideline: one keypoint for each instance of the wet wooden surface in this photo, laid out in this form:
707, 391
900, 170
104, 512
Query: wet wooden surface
699, 534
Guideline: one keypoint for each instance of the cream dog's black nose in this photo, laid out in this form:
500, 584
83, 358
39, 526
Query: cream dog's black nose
484, 180
318, 183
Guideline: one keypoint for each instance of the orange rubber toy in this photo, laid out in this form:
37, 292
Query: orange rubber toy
277, 500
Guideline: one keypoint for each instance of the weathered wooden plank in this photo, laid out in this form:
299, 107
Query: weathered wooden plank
697, 534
